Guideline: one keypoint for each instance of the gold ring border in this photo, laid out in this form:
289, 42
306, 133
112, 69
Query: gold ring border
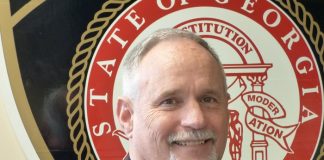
315, 34
87, 44
299, 11
77, 73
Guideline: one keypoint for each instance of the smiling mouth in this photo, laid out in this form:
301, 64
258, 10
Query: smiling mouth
191, 143
192, 138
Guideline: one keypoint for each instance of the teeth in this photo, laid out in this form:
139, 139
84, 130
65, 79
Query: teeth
189, 143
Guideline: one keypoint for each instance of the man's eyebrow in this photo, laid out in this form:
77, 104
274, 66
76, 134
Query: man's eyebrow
169, 93
164, 94
212, 92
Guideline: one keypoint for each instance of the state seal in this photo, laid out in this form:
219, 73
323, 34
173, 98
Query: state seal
273, 75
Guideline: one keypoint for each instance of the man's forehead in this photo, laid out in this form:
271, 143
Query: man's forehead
180, 51
169, 60
179, 90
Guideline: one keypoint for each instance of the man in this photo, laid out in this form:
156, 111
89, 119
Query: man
174, 103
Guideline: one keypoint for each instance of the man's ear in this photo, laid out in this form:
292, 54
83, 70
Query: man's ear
125, 115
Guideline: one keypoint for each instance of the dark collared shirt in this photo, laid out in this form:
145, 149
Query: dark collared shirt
127, 157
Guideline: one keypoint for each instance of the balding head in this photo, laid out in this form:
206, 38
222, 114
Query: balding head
135, 56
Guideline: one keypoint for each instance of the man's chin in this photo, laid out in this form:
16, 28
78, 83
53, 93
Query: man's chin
191, 154
212, 156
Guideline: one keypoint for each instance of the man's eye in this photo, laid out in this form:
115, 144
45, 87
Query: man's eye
208, 100
169, 102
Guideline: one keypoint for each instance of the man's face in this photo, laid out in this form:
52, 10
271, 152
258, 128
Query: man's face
180, 111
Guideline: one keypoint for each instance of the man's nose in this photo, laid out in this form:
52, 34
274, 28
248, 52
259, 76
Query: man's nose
193, 115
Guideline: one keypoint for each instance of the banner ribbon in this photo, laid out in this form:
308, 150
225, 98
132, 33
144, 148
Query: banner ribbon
264, 124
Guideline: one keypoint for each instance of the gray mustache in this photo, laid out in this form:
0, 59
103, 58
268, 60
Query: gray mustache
192, 135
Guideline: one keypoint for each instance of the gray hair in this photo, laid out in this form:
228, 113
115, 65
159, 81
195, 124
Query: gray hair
135, 56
